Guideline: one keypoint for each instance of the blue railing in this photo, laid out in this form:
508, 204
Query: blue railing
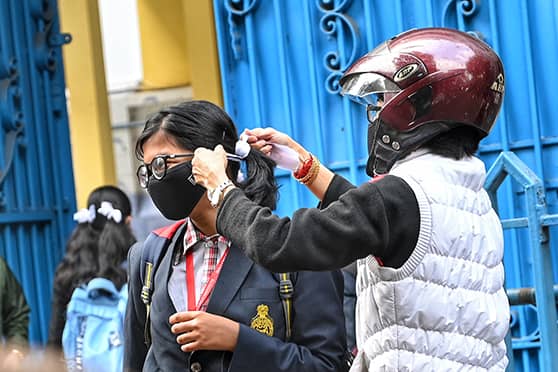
537, 222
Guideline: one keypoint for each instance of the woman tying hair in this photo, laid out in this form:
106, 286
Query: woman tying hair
212, 308
430, 283
97, 247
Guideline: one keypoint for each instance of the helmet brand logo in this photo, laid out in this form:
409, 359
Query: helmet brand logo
404, 72
498, 85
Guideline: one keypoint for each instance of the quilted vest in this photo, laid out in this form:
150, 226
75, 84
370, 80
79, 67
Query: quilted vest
445, 309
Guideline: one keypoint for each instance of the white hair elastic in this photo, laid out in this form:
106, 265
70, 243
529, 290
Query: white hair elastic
242, 148
110, 212
85, 215
240, 177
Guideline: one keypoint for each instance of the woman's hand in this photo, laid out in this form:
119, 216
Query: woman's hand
198, 330
209, 167
262, 139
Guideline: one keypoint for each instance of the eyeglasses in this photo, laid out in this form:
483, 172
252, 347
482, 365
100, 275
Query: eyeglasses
158, 168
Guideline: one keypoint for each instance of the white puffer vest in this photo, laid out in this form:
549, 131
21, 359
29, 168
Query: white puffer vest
445, 309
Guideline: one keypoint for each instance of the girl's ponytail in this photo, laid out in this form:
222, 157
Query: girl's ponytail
260, 184
114, 242
79, 264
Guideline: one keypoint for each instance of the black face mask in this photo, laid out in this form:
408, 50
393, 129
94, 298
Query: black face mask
176, 195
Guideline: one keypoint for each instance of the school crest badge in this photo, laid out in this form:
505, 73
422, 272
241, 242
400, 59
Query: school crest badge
262, 322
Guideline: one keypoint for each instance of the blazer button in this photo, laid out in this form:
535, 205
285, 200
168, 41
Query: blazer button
195, 367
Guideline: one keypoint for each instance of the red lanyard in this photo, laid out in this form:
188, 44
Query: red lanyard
191, 281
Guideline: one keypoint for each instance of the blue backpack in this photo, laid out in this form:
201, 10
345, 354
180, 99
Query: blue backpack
93, 337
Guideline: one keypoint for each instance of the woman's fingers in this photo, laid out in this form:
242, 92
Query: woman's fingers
261, 133
266, 149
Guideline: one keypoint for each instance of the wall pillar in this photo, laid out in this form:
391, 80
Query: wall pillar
90, 127
202, 50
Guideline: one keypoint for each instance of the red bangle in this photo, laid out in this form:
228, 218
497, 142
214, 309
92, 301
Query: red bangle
301, 172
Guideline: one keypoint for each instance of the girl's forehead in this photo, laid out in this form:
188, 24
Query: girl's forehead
159, 143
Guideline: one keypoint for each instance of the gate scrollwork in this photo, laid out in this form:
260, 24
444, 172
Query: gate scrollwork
336, 24
236, 11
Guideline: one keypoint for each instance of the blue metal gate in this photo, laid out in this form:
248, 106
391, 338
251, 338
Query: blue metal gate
37, 195
280, 65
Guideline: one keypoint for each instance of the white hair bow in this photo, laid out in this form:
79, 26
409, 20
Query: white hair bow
110, 212
85, 215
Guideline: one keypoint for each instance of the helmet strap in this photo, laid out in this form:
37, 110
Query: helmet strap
387, 146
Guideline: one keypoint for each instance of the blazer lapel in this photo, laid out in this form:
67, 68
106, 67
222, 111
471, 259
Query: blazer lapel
234, 271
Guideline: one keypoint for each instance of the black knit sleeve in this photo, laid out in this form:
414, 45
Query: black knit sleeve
336, 188
379, 218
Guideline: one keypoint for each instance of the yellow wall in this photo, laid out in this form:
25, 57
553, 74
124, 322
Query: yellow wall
163, 44
90, 127
179, 46
202, 50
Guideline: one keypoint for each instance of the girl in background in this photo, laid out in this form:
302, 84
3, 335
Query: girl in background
98, 247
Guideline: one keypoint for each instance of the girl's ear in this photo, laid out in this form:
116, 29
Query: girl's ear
128, 220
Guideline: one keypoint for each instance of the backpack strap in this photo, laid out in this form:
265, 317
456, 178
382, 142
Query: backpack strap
151, 250
286, 290
287, 282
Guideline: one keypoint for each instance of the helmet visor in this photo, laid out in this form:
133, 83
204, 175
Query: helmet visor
369, 89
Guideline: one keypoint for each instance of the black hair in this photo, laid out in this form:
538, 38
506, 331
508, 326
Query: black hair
456, 143
79, 264
98, 248
116, 238
194, 124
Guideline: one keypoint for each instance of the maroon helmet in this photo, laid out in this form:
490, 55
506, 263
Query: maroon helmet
422, 83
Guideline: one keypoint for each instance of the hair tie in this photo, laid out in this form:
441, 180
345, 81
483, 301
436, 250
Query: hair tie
110, 212
242, 148
240, 177
85, 215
